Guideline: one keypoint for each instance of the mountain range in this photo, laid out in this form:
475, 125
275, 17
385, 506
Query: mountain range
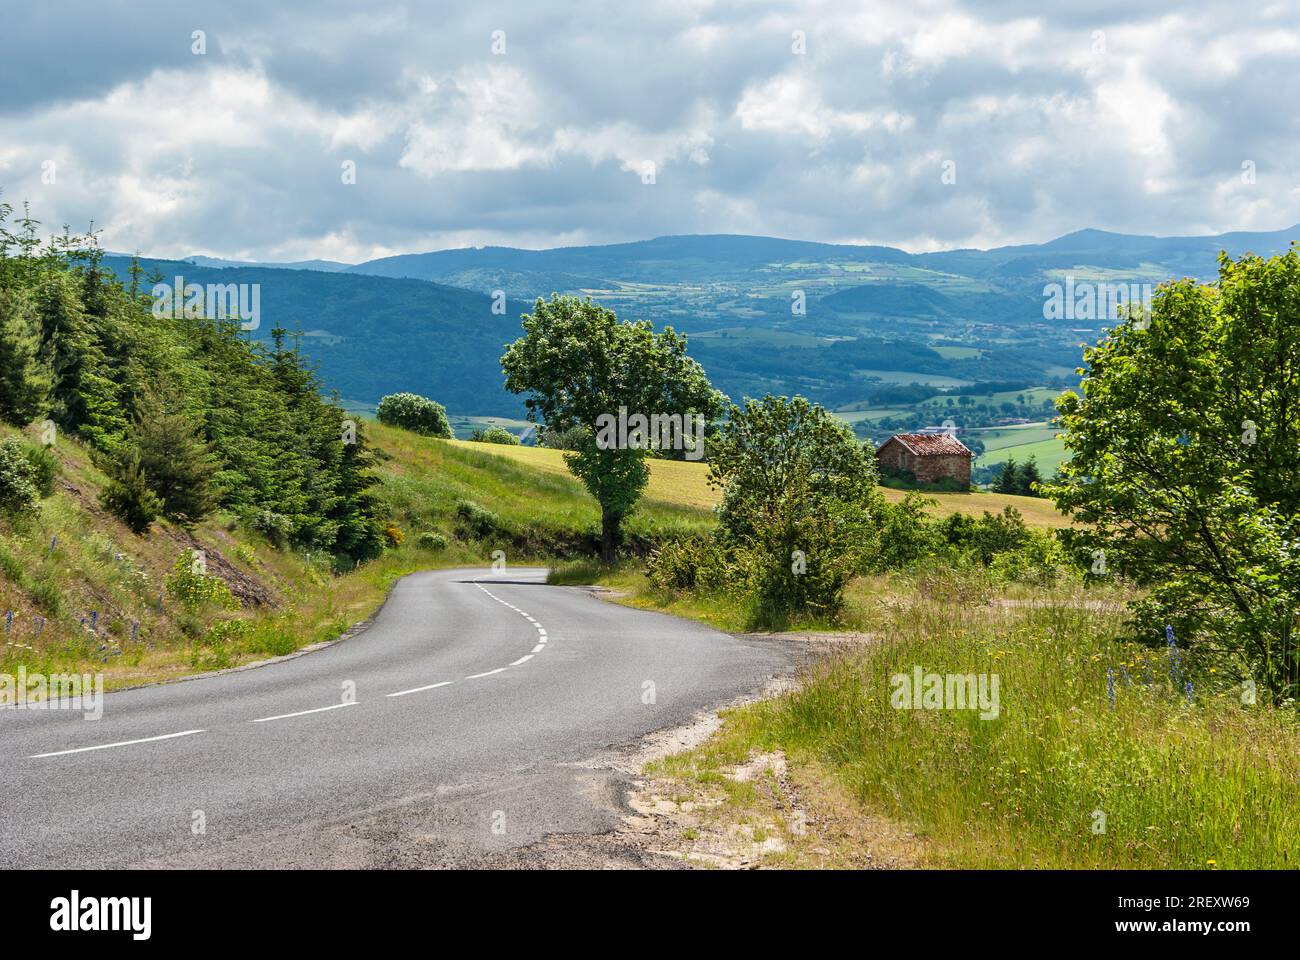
846, 325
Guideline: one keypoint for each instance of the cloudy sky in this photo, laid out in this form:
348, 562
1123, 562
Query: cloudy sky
922, 124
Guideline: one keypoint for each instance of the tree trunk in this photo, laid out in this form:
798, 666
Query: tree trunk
611, 534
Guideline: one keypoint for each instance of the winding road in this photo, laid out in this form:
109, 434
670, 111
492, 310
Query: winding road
456, 730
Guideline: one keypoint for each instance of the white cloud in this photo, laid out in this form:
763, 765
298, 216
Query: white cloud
239, 152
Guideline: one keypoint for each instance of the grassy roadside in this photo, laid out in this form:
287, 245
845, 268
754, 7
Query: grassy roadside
1070, 773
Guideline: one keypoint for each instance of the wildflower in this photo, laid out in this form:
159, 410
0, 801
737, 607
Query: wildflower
1188, 690
1175, 656
1110, 687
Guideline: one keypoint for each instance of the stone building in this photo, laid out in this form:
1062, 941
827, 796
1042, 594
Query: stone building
928, 457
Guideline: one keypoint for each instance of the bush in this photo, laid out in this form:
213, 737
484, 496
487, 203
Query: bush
1040, 560
800, 511
393, 536
688, 564
429, 540
128, 496
475, 521
12, 567
19, 490
495, 435
415, 413
45, 467
193, 588
907, 534
562, 439
276, 527
45, 594
989, 535
224, 641
271, 639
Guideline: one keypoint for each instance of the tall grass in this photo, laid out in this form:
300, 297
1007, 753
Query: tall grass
1069, 774
577, 572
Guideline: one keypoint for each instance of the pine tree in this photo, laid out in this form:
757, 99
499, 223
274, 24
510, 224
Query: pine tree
24, 380
128, 496
177, 462
68, 348
1009, 481
87, 392
1029, 478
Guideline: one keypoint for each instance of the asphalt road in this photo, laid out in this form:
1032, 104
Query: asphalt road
455, 730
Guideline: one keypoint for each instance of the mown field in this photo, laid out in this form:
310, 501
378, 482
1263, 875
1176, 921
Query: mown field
678, 483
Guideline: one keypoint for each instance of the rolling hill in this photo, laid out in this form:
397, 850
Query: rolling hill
844, 325
374, 335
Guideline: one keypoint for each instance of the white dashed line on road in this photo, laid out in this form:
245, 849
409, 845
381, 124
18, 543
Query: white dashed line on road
303, 713
122, 743
431, 686
541, 645
541, 633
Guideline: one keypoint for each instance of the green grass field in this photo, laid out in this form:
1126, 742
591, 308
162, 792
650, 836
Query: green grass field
911, 376
957, 353
1020, 443
857, 416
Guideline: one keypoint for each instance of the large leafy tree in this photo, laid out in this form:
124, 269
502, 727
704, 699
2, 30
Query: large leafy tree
577, 362
800, 505
1185, 464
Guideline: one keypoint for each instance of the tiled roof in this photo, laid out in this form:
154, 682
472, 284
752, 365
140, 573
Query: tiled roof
931, 444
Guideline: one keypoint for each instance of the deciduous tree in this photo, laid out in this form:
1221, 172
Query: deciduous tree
577, 362
1184, 464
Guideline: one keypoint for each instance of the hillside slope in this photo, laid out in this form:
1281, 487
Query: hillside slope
80, 591
374, 335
